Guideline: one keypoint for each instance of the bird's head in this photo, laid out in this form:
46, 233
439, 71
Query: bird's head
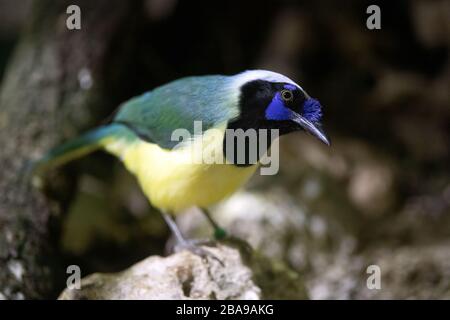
270, 100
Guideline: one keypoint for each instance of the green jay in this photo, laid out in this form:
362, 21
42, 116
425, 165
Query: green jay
141, 136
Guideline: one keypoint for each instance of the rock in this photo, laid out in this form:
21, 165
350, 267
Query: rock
274, 223
412, 272
241, 273
409, 272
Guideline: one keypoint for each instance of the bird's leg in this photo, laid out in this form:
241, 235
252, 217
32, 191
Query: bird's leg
183, 243
219, 233
173, 227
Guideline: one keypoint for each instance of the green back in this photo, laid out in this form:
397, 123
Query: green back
154, 115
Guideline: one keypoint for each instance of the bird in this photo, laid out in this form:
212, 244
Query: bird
141, 136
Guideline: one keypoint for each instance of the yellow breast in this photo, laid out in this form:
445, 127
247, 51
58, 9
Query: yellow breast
183, 177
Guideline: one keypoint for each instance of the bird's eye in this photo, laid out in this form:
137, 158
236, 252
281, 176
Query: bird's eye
287, 95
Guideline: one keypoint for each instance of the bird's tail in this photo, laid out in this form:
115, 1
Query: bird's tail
76, 148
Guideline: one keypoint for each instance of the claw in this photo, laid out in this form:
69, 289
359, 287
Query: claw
194, 246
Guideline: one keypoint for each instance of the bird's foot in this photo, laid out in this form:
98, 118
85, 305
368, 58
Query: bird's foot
194, 246
197, 247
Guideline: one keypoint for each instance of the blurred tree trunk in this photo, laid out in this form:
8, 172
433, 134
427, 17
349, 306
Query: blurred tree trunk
58, 83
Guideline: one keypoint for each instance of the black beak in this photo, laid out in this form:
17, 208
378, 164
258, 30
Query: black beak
311, 128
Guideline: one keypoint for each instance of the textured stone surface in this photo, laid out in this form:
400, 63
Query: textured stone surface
332, 259
187, 276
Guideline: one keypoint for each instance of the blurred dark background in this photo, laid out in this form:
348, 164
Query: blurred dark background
381, 193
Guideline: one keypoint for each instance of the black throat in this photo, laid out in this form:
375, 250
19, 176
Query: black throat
239, 145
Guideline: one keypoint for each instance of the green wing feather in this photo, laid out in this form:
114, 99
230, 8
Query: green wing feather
154, 115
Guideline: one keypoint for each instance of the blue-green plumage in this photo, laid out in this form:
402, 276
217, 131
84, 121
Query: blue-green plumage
157, 113
141, 133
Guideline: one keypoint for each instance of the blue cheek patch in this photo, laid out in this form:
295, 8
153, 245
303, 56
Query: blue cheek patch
312, 110
277, 111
